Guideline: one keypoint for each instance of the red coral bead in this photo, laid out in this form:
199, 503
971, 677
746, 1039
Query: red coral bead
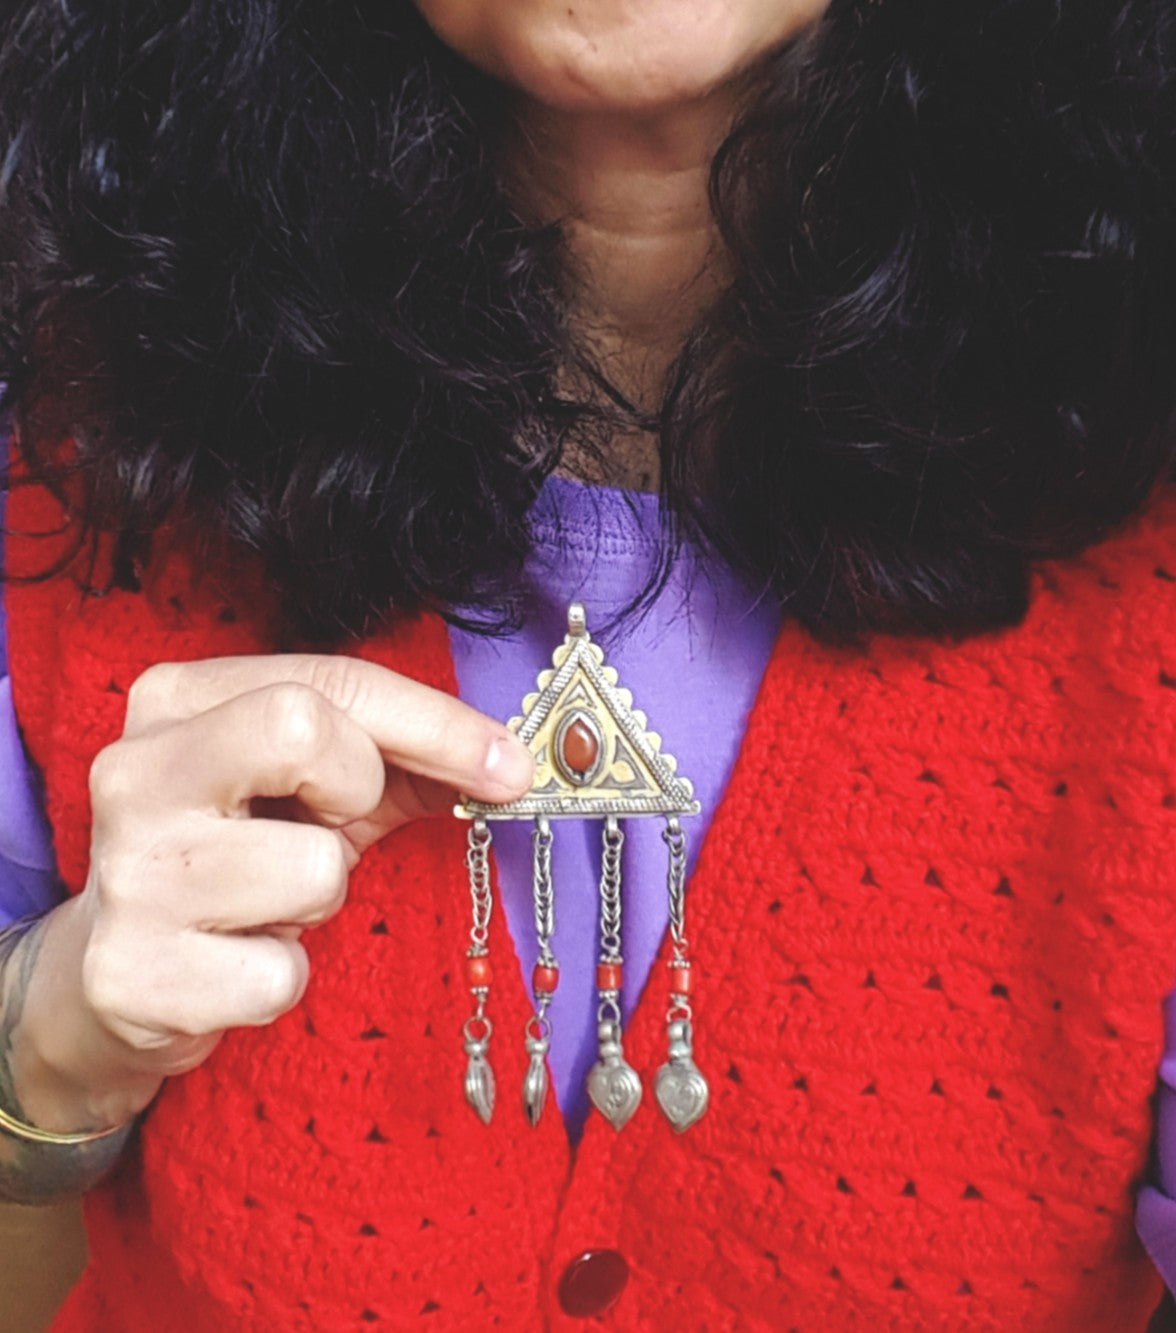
544, 979
478, 971
681, 982
608, 976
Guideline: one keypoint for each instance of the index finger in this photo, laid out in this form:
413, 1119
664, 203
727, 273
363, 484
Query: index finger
414, 726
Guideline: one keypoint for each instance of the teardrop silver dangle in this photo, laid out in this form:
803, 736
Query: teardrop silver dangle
535, 1081
479, 1077
680, 1087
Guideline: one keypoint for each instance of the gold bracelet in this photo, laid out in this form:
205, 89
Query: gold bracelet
31, 1134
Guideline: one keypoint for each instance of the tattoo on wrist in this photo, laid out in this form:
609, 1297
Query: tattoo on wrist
20, 943
37, 1172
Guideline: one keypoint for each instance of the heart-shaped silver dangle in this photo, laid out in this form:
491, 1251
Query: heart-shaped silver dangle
682, 1091
613, 1084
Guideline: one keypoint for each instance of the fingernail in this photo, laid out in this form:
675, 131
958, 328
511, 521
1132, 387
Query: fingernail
508, 764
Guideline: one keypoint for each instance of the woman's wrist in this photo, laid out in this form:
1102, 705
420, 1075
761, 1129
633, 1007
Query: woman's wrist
37, 1167
69, 1072
57, 1136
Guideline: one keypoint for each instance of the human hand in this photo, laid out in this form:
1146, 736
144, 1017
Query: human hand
226, 821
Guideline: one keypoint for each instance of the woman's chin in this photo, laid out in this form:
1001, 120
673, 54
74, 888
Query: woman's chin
617, 55
581, 83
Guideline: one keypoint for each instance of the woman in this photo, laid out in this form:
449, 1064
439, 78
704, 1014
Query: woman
318, 318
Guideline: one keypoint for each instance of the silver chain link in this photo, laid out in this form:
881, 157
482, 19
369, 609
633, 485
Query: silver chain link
675, 841
541, 840
478, 862
537, 1033
476, 1031
613, 838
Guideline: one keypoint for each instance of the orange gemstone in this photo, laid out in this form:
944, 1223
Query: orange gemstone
479, 971
608, 976
579, 748
681, 982
544, 979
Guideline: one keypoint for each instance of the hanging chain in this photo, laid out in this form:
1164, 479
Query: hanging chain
479, 1078
613, 839
613, 1084
545, 977
544, 895
478, 861
610, 890
680, 1087
675, 841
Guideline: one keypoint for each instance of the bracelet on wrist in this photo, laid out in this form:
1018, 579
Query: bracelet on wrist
17, 1129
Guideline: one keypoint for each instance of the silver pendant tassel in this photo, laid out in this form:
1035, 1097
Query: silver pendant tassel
681, 1090
479, 1077
613, 1085
545, 977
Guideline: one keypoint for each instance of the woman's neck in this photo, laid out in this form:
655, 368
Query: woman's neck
632, 195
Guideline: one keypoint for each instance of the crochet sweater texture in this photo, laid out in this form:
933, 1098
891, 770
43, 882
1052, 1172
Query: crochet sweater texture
933, 921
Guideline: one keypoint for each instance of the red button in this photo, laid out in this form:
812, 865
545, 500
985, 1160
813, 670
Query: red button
592, 1283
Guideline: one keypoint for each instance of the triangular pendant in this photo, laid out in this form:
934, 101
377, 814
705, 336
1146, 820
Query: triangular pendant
594, 753
595, 758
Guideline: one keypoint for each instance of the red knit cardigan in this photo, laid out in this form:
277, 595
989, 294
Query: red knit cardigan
933, 920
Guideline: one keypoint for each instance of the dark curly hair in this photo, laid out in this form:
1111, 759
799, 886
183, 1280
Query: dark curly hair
256, 260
